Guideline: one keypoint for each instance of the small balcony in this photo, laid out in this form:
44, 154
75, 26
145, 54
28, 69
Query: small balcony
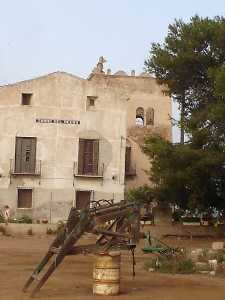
130, 170
88, 173
26, 169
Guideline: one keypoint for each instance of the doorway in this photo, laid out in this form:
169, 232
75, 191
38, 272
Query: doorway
83, 199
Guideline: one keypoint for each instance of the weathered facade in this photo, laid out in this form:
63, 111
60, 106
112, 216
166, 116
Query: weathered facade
63, 139
148, 111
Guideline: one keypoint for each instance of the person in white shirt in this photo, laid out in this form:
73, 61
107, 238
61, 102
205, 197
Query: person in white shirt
7, 214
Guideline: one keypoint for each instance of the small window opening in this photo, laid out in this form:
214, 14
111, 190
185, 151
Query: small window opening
24, 198
140, 120
26, 98
91, 101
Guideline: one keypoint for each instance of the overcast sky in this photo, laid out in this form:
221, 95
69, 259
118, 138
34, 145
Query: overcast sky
43, 36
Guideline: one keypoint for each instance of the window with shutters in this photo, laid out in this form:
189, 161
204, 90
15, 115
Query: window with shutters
130, 169
25, 156
127, 159
24, 198
88, 157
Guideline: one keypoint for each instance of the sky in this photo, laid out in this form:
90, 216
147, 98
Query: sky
44, 36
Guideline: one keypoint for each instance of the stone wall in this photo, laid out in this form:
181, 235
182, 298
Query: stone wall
61, 96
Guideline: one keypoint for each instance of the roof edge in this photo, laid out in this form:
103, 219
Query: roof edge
41, 76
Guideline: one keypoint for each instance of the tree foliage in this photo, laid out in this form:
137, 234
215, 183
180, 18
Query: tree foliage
143, 193
188, 62
192, 61
185, 175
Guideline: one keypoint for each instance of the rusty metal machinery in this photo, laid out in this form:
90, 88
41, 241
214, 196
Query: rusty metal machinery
122, 232
116, 225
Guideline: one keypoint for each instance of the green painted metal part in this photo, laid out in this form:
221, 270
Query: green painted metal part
154, 250
156, 246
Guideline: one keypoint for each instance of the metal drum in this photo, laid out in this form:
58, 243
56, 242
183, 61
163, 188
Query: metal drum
106, 273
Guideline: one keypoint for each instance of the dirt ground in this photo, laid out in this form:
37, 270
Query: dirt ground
73, 279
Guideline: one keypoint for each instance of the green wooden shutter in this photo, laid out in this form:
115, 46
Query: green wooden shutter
81, 157
32, 165
25, 155
24, 146
95, 156
28, 155
18, 155
128, 159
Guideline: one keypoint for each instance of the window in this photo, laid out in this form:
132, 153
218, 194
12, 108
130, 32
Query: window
88, 157
130, 169
150, 116
24, 198
91, 102
25, 155
127, 159
83, 199
26, 98
140, 121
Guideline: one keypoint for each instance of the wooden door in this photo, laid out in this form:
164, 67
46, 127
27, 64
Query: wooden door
83, 199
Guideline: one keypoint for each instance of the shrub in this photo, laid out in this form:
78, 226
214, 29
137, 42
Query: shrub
25, 219
185, 267
190, 219
176, 216
173, 265
142, 193
151, 263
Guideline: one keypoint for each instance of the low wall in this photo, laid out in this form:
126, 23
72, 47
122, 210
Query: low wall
24, 229
185, 230
155, 230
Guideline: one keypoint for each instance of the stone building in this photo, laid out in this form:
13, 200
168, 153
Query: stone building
148, 111
64, 139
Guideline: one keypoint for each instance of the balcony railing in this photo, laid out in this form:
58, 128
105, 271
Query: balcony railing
78, 173
31, 171
130, 171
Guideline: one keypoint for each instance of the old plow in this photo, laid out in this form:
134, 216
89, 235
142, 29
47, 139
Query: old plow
117, 227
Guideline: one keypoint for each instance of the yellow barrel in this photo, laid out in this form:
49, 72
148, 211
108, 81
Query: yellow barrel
106, 273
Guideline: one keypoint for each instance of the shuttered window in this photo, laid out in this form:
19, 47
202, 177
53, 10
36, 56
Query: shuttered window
128, 159
24, 198
25, 156
88, 157
150, 116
